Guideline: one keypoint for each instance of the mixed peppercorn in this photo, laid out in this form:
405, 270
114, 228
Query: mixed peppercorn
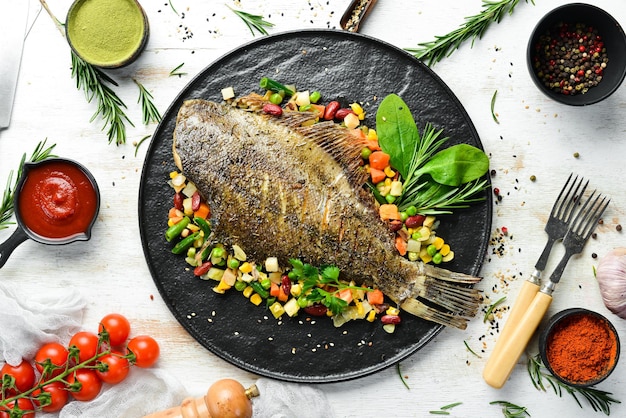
570, 58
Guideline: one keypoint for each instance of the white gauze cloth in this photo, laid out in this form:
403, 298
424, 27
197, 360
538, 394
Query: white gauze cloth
289, 400
27, 321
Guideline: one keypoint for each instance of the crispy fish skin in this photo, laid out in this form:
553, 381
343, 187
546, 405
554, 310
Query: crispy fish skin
274, 189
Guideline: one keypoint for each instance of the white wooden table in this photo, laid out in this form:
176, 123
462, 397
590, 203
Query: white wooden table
535, 137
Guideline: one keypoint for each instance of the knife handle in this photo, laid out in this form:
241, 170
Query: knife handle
501, 364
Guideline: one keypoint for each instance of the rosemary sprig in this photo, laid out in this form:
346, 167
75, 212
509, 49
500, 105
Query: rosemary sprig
110, 107
598, 399
444, 410
175, 71
470, 349
6, 206
138, 144
172, 6
491, 308
493, 105
402, 379
510, 410
474, 27
253, 22
149, 111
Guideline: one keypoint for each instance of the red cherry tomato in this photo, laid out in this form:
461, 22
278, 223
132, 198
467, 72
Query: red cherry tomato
145, 349
116, 365
54, 357
87, 343
57, 394
118, 328
24, 405
84, 384
23, 373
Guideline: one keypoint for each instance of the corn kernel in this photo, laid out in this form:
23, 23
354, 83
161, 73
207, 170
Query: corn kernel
193, 227
448, 257
445, 250
222, 286
389, 172
256, 299
356, 108
424, 256
173, 174
170, 222
246, 267
361, 116
247, 292
387, 182
392, 311
296, 290
372, 135
359, 308
438, 243
371, 315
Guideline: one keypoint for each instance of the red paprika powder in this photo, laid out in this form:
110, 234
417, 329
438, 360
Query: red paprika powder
582, 348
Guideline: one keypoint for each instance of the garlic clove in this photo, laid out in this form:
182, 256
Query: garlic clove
611, 276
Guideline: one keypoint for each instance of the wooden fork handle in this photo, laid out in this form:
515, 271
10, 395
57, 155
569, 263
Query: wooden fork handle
501, 363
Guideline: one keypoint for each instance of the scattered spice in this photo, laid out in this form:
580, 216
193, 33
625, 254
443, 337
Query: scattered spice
533, 178
618, 228
576, 155
581, 348
570, 58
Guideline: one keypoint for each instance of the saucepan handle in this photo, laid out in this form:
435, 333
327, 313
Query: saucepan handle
7, 247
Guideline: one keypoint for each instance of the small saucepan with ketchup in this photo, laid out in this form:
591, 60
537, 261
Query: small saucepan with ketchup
56, 201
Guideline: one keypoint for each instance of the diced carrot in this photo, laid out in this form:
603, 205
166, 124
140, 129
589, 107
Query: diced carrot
274, 290
401, 245
373, 145
203, 211
379, 160
175, 220
375, 297
358, 135
388, 212
319, 109
282, 296
377, 175
345, 294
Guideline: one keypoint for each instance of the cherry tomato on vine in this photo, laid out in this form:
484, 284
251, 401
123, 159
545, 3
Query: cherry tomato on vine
87, 343
25, 406
118, 328
51, 354
117, 367
84, 384
23, 373
56, 392
145, 349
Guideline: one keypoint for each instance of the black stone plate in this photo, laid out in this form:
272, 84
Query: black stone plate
344, 66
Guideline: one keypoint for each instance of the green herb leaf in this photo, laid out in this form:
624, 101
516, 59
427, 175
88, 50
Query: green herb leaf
469, 349
456, 165
402, 379
510, 410
149, 111
175, 71
493, 105
253, 22
492, 307
141, 141
397, 133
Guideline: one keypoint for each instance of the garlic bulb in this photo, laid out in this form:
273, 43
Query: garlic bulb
611, 276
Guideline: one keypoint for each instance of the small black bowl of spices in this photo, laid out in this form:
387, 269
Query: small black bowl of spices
579, 347
577, 54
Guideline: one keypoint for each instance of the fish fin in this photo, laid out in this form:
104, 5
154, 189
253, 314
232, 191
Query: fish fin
342, 144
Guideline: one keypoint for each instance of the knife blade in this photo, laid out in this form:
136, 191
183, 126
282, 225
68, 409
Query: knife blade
13, 18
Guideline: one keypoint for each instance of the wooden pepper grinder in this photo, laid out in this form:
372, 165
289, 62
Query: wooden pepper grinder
226, 398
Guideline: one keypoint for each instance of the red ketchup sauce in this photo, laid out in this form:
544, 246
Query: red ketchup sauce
57, 200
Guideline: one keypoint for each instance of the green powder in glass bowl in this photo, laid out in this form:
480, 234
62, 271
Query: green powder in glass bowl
107, 33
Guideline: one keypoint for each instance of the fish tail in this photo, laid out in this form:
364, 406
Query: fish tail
420, 309
447, 275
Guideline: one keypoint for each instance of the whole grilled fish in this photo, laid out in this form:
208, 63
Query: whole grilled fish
283, 187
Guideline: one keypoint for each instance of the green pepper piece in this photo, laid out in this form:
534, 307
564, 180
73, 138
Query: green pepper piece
184, 244
260, 290
176, 229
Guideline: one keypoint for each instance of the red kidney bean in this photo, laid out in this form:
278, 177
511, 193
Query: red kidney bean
178, 201
195, 201
390, 319
203, 268
331, 109
316, 309
272, 109
285, 283
342, 113
414, 221
395, 225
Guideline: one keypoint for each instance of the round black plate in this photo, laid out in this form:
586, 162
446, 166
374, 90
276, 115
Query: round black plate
342, 66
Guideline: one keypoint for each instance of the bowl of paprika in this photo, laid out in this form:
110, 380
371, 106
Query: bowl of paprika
576, 54
579, 347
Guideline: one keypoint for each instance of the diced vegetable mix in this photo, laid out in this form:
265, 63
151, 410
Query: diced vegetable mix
290, 289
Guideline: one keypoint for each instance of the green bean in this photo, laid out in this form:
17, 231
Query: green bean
185, 243
176, 229
259, 289
275, 86
204, 225
315, 96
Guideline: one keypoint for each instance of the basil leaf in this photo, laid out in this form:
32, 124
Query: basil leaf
456, 165
397, 132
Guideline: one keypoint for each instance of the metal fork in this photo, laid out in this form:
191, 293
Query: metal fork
499, 367
563, 210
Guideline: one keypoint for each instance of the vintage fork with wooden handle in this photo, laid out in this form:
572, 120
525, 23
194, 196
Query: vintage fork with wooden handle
501, 364
561, 215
